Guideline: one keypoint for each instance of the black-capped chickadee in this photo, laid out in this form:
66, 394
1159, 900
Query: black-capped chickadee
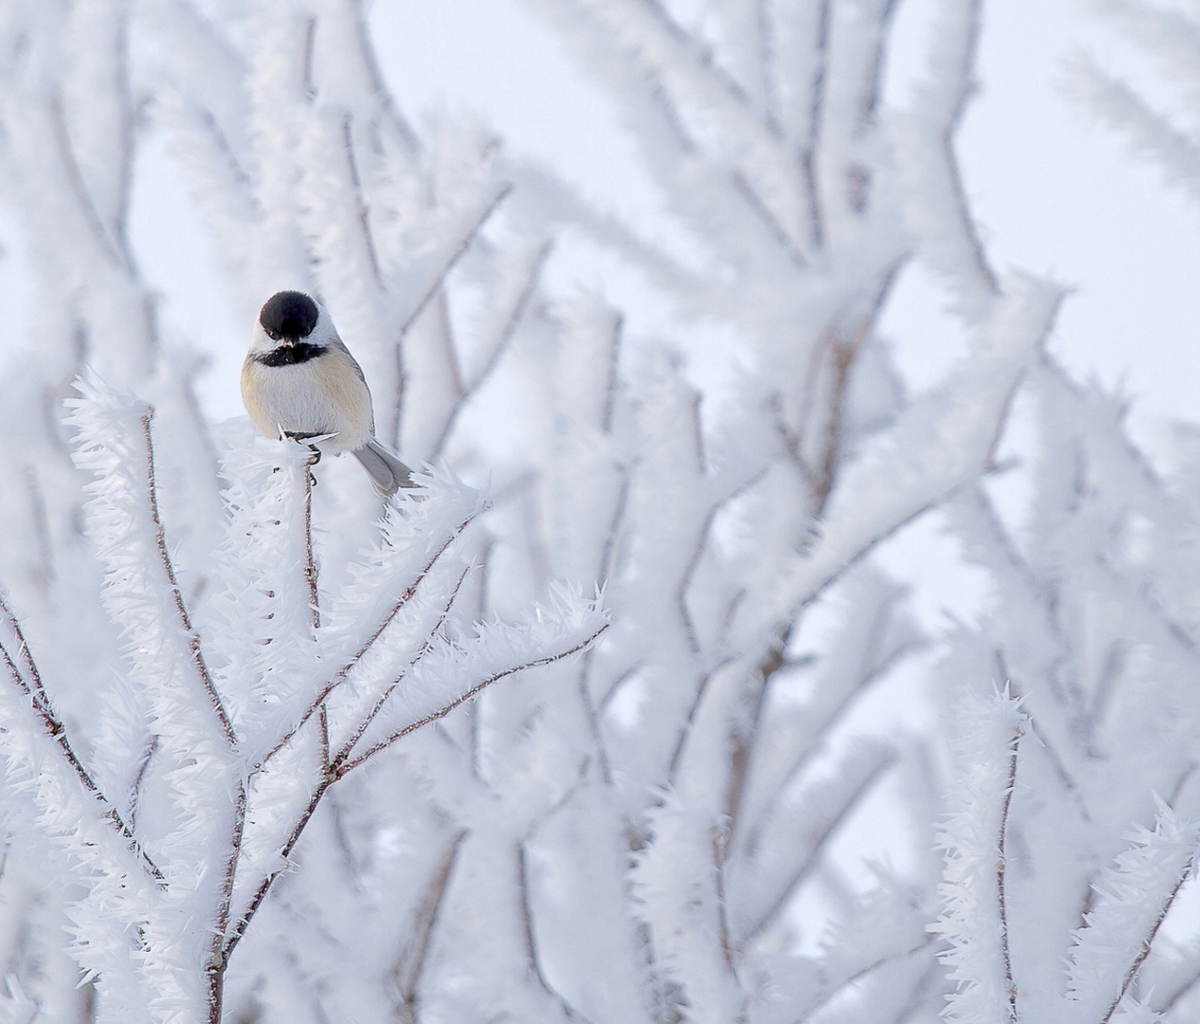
300, 381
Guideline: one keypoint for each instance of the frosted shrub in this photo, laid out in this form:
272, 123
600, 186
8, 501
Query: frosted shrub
176, 814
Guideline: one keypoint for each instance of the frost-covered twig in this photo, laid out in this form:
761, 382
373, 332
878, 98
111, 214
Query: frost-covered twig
411, 962
467, 695
310, 561
1134, 897
344, 753
975, 837
372, 637
185, 619
54, 728
497, 346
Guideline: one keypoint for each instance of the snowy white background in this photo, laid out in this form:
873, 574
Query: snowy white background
1054, 194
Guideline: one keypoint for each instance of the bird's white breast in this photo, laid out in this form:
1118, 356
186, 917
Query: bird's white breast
323, 395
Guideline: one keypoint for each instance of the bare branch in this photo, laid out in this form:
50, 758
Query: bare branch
139, 778
470, 694
53, 726
234, 934
347, 748
310, 562
501, 344
458, 253
360, 200
820, 840
217, 960
1146, 945
1001, 875
185, 621
323, 726
341, 675
410, 965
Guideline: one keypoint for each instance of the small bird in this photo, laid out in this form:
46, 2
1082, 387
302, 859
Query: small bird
300, 381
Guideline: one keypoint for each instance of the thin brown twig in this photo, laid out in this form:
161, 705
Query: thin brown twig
1146, 944
185, 620
24, 652
419, 307
323, 725
342, 673
360, 200
56, 730
470, 694
347, 748
410, 965
336, 772
139, 778
217, 961
233, 934
515, 314
310, 561
1001, 875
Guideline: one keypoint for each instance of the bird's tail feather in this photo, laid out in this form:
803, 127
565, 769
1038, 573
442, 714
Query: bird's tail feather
386, 471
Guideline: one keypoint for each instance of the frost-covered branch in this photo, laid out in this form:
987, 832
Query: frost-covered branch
975, 839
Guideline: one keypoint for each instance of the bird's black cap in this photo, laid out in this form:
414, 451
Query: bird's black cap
288, 315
